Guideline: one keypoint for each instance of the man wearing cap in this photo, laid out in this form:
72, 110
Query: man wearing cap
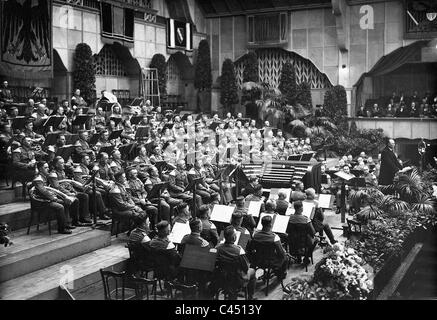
139, 196
229, 253
121, 201
68, 187
248, 221
266, 236
55, 204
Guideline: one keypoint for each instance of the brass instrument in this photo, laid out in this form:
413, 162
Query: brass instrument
68, 199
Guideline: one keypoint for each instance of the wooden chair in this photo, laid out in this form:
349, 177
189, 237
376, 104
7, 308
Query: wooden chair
36, 208
187, 291
299, 247
165, 264
228, 280
119, 289
117, 219
140, 259
141, 286
261, 256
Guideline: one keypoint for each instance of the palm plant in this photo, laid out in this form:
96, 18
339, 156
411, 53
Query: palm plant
408, 193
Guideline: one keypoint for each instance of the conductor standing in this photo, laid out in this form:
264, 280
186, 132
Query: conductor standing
389, 164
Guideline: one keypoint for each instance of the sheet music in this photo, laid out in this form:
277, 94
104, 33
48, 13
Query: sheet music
290, 211
179, 231
344, 175
325, 201
254, 208
434, 188
308, 209
260, 226
280, 224
222, 213
236, 240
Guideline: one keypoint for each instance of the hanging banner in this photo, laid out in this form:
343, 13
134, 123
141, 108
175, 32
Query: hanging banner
26, 38
117, 23
179, 35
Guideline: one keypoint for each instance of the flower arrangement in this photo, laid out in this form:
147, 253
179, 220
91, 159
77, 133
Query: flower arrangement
340, 275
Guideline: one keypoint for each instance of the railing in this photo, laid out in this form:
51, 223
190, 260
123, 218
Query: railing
95, 4
409, 128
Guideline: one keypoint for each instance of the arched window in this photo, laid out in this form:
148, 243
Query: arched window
106, 63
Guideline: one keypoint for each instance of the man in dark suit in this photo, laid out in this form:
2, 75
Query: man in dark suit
389, 164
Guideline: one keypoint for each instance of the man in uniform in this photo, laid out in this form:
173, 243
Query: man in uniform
230, 254
23, 161
266, 236
100, 204
178, 181
120, 200
5, 93
59, 170
139, 196
82, 145
55, 204
170, 258
202, 188
248, 221
209, 230
105, 171
194, 238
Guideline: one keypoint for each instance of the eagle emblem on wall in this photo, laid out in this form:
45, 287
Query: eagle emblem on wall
26, 32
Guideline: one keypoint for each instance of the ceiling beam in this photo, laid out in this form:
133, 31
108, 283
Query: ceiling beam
213, 2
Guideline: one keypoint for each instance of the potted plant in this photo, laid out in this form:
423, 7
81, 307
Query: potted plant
203, 77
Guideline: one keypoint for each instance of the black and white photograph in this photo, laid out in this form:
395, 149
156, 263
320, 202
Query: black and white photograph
215, 156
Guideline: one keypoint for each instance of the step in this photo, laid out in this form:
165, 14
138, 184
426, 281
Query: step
39, 250
86, 285
16, 215
8, 195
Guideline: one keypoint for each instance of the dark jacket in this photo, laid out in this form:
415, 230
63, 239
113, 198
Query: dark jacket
389, 166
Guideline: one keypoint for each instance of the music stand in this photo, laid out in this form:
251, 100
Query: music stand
126, 149
142, 132
136, 120
95, 138
192, 186
65, 152
156, 192
52, 121
71, 138
160, 165
18, 123
358, 182
107, 149
115, 134
295, 157
307, 156
81, 119
116, 120
357, 172
51, 139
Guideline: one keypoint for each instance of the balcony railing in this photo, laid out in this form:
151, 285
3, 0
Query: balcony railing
95, 4
409, 128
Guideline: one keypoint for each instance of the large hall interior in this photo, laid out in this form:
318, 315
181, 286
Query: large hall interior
218, 150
